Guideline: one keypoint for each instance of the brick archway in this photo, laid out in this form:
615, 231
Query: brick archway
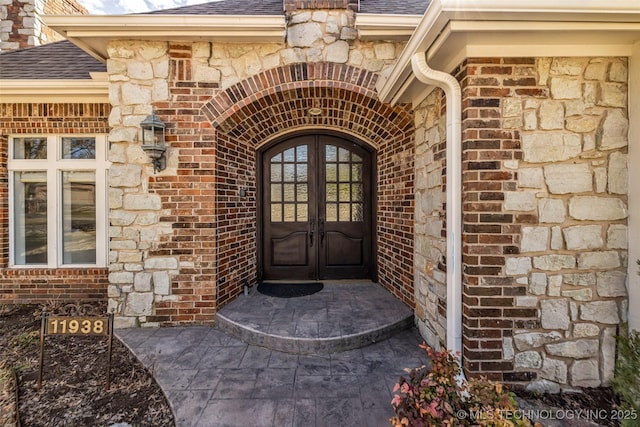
277, 101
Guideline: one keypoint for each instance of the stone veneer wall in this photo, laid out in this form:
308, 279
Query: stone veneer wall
42, 285
182, 239
430, 220
21, 23
545, 235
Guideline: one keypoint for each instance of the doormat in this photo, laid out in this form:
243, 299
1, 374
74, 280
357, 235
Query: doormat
289, 290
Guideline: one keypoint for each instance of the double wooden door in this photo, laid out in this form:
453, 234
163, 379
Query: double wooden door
317, 210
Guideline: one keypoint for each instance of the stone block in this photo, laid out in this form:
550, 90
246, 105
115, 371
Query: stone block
554, 262
598, 260
585, 330
600, 179
593, 208
149, 50
530, 340
568, 66
511, 107
618, 72
554, 370
618, 177
534, 239
337, 52
161, 263
584, 294
608, 355
578, 349
568, 178
565, 88
550, 147
585, 373
580, 279
613, 95
530, 178
551, 115
557, 242
600, 312
538, 284
161, 283
582, 124
518, 266
528, 360
141, 201
114, 291
611, 283
507, 348
123, 134
304, 34
142, 282
596, 71
139, 70
617, 236
385, 50
120, 277
613, 133
583, 237
543, 386
125, 175
519, 201
120, 322
554, 284
526, 301
551, 210
135, 94
139, 304
554, 314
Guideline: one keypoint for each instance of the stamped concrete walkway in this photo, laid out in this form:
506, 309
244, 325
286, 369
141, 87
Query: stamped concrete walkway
213, 379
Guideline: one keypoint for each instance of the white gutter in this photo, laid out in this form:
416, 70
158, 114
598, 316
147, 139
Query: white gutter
453, 93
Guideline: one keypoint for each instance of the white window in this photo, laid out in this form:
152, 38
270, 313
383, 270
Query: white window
58, 208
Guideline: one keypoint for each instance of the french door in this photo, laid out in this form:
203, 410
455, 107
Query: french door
317, 210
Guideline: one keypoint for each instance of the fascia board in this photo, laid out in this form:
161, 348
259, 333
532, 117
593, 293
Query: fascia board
92, 33
64, 91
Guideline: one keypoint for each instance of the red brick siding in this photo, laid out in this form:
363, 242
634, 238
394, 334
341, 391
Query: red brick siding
490, 234
38, 285
189, 197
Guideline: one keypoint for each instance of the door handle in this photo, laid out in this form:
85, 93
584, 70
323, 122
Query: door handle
311, 231
321, 225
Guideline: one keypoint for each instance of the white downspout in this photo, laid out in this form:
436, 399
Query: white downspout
453, 93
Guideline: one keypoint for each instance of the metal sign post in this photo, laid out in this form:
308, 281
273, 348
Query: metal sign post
76, 326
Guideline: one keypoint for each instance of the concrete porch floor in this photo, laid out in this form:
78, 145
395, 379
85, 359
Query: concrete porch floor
212, 378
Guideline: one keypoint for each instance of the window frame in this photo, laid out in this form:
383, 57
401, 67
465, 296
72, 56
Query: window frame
54, 166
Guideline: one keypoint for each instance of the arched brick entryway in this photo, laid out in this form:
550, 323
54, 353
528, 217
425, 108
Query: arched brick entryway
276, 102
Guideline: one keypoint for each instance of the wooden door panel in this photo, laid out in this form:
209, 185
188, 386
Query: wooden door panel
290, 250
342, 250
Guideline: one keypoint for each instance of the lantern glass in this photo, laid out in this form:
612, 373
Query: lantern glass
153, 140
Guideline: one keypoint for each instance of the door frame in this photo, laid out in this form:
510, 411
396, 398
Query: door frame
260, 192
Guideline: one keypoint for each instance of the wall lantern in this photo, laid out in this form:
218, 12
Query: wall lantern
153, 141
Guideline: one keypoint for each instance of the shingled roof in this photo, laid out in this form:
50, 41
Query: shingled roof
275, 7
59, 60
227, 7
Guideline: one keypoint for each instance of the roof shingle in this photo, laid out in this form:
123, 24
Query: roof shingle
54, 61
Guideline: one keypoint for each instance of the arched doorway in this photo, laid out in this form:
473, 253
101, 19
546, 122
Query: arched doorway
317, 209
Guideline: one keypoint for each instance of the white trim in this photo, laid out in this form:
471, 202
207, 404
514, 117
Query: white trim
92, 33
386, 27
20, 91
633, 278
453, 94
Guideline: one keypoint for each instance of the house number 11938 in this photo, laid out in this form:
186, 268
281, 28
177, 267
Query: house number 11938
77, 326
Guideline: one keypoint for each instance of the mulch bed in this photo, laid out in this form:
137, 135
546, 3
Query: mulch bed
73, 388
